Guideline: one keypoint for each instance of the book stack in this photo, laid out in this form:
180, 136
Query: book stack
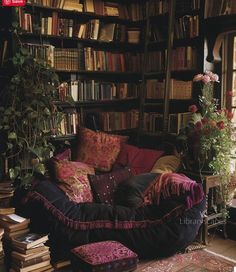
6, 193
29, 253
13, 224
1, 247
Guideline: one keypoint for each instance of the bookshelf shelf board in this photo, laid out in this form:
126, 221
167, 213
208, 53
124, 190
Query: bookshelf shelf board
94, 102
112, 45
104, 102
152, 103
63, 137
187, 41
65, 104
222, 20
186, 73
87, 15
155, 45
159, 74
134, 75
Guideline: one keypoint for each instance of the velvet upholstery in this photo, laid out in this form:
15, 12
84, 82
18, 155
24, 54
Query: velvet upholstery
150, 231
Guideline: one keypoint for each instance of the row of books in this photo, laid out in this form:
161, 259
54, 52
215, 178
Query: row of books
54, 25
187, 27
184, 58
112, 121
179, 89
154, 121
69, 123
215, 8
66, 125
178, 121
158, 7
89, 59
187, 6
156, 61
129, 11
85, 90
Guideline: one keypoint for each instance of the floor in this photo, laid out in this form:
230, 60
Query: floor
217, 244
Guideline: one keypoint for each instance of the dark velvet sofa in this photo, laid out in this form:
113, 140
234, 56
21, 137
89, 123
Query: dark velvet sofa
149, 230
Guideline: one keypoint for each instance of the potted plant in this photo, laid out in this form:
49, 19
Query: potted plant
28, 118
207, 139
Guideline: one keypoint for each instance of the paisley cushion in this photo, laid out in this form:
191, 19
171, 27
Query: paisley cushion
98, 149
104, 185
104, 256
72, 178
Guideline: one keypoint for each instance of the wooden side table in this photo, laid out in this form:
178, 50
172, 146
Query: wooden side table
213, 216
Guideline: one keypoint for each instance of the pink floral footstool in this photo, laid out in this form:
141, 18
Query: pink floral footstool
106, 256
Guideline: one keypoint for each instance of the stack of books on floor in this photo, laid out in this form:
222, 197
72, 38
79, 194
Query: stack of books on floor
13, 224
1, 247
6, 193
29, 253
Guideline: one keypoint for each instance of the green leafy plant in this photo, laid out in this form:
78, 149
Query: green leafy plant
28, 117
208, 141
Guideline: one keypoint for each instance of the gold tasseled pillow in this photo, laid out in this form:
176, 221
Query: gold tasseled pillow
166, 164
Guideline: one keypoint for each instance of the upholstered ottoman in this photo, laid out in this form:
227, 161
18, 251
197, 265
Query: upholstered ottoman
106, 256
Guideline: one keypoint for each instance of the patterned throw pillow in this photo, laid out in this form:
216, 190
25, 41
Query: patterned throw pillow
104, 186
72, 178
98, 149
140, 160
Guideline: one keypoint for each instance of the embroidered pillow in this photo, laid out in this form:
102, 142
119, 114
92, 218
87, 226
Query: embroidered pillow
98, 149
104, 186
72, 178
140, 160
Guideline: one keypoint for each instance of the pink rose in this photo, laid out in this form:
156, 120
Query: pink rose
208, 73
198, 77
221, 125
198, 125
206, 79
214, 78
204, 120
193, 108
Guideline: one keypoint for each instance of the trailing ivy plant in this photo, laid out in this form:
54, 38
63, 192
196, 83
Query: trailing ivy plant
28, 117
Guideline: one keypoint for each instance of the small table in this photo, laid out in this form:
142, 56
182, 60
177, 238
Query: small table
213, 217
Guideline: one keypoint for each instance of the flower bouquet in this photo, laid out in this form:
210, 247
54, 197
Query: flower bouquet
207, 140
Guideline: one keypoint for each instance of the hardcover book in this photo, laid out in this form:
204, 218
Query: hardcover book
29, 240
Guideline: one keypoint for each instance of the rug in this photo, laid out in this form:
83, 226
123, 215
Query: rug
196, 261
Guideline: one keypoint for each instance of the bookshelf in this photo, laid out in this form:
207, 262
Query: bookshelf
118, 60
96, 48
174, 41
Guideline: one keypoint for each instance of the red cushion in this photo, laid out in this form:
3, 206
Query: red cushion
98, 149
109, 256
140, 160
